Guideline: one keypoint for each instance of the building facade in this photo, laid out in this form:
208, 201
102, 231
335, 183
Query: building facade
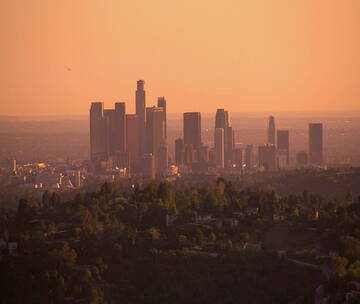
155, 137
283, 148
316, 144
192, 129
219, 148
267, 157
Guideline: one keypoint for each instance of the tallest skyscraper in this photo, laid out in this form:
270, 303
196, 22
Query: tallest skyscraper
271, 131
140, 97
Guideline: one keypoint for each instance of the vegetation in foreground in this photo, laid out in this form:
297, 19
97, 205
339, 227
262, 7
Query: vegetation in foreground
177, 243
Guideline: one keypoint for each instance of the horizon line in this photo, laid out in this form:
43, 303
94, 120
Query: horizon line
179, 113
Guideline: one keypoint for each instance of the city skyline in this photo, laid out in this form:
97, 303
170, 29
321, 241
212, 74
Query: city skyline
138, 143
179, 151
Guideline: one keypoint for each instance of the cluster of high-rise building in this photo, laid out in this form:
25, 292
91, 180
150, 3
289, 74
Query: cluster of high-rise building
192, 155
275, 154
136, 143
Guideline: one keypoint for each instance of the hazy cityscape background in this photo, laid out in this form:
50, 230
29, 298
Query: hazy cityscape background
232, 177
56, 138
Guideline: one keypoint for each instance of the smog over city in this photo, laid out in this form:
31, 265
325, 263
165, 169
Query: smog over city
179, 152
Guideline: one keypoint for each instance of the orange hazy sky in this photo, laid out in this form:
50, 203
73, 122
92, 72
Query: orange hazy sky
56, 56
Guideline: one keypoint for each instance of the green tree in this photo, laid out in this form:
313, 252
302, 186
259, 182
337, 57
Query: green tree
199, 236
212, 237
211, 201
64, 256
153, 233
354, 270
351, 247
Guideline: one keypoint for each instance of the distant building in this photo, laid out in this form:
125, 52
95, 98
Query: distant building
148, 166
271, 131
229, 149
301, 159
316, 144
140, 100
238, 158
192, 129
203, 154
155, 137
251, 211
283, 148
221, 119
162, 165
219, 147
179, 151
107, 133
190, 154
78, 179
267, 157
281, 159
8, 164
122, 160
249, 157
212, 156
132, 140
222, 122
99, 144
116, 128
161, 103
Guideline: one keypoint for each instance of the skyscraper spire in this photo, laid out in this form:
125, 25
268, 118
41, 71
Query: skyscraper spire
271, 131
140, 97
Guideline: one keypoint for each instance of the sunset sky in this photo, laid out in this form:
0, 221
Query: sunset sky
56, 56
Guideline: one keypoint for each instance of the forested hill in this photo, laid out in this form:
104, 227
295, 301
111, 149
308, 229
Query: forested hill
331, 183
179, 243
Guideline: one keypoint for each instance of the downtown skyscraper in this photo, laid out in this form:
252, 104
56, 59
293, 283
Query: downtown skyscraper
99, 144
155, 137
222, 122
120, 141
187, 150
179, 151
283, 148
267, 157
271, 133
219, 148
161, 103
249, 157
140, 105
116, 128
316, 144
108, 134
132, 141
192, 129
